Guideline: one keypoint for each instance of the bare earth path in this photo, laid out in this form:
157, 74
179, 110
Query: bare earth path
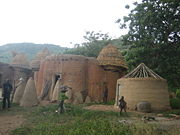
10, 122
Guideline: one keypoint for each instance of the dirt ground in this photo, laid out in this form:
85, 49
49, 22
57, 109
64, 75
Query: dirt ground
8, 123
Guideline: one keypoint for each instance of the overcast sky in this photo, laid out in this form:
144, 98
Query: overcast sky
61, 22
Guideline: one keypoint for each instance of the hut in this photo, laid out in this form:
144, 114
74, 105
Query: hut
83, 74
143, 85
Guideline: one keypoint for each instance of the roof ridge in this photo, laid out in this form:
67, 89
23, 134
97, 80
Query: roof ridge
142, 71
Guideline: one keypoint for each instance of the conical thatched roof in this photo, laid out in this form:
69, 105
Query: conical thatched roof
142, 71
20, 60
35, 63
110, 56
30, 96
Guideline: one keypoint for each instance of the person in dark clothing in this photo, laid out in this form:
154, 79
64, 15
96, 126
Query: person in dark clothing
7, 88
105, 94
122, 105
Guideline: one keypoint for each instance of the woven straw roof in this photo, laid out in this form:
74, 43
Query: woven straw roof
142, 71
110, 56
20, 60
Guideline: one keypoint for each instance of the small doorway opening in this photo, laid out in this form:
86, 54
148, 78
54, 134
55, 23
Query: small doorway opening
57, 77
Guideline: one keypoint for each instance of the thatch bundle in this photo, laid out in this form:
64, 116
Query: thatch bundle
111, 58
35, 63
20, 60
138, 88
69, 95
19, 92
56, 91
30, 96
78, 98
88, 100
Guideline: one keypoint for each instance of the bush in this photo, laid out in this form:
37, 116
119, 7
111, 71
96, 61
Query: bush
178, 93
175, 103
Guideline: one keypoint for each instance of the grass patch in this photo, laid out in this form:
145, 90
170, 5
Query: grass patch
43, 120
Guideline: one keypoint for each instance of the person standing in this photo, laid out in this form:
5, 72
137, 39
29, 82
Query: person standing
122, 105
7, 88
105, 94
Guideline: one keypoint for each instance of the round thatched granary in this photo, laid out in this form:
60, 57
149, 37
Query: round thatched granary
110, 58
142, 84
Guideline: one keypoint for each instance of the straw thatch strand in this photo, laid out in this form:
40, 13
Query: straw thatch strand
30, 96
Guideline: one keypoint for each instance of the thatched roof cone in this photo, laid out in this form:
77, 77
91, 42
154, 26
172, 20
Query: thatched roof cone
78, 99
35, 63
20, 60
110, 56
30, 96
19, 92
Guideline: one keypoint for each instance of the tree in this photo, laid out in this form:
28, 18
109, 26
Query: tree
154, 36
92, 46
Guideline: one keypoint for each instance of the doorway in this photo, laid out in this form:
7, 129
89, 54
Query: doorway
118, 94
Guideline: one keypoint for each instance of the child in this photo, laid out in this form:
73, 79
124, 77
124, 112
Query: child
122, 105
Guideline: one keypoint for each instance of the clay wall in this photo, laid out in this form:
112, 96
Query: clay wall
71, 67
135, 90
82, 74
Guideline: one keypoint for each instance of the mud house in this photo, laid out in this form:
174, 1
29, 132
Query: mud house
14, 71
88, 77
140, 85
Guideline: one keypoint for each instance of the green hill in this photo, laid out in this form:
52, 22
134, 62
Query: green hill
30, 49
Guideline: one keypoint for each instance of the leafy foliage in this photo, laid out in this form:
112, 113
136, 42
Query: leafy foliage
30, 49
94, 44
175, 103
154, 37
178, 93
